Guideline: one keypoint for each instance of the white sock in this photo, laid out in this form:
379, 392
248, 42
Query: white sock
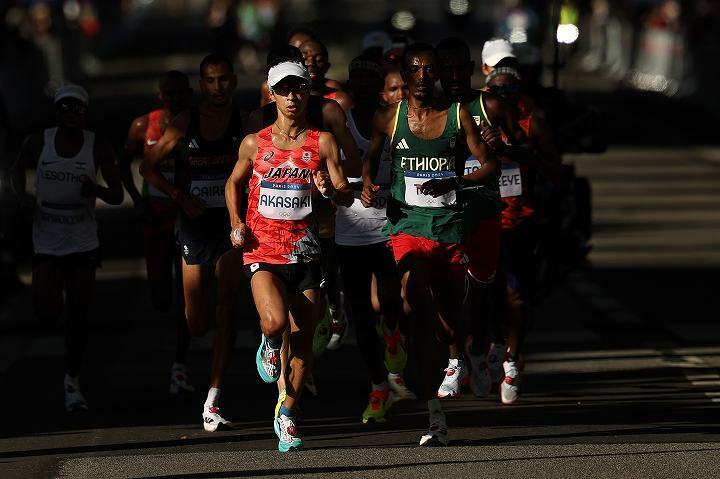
383, 386
434, 407
212, 397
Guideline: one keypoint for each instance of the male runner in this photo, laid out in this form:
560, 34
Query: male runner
485, 302
296, 37
280, 238
318, 64
394, 89
65, 238
368, 270
519, 238
326, 115
158, 214
424, 219
207, 138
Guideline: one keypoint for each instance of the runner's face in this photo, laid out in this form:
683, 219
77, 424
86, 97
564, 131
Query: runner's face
505, 85
218, 83
291, 97
365, 85
456, 69
395, 88
71, 113
175, 96
316, 60
421, 73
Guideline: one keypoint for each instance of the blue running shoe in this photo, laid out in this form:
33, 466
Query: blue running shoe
267, 360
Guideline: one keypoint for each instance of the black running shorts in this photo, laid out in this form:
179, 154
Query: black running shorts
297, 277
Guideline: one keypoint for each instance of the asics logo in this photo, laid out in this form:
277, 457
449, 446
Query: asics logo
254, 267
402, 145
268, 156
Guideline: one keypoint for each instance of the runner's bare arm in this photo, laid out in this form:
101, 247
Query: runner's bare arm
382, 124
106, 161
490, 169
337, 188
335, 121
27, 158
239, 177
132, 148
344, 100
150, 166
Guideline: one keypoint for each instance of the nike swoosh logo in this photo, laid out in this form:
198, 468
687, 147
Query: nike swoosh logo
151, 142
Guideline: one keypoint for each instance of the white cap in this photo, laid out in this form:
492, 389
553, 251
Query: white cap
286, 69
495, 50
71, 91
376, 38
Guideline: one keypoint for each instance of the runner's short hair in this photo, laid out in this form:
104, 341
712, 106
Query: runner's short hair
415, 48
286, 53
215, 59
173, 76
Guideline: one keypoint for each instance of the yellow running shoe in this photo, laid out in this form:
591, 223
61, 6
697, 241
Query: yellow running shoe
395, 355
380, 402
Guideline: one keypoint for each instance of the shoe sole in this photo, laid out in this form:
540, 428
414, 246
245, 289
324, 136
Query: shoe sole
434, 442
216, 427
373, 420
449, 396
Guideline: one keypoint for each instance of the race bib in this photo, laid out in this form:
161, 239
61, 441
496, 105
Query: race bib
152, 191
211, 192
510, 180
471, 165
285, 201
378, 209
415, 179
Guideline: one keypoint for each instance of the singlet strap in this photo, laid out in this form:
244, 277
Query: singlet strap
395, 122
481, 100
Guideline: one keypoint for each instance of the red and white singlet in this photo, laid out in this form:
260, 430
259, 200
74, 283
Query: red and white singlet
281, 218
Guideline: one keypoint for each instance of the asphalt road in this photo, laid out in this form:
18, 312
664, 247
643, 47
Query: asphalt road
622, 376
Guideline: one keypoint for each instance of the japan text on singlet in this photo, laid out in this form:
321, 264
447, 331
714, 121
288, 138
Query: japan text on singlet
415, 161
479, 202
202, 169
153, 133
64, 220
281, 219
357, 225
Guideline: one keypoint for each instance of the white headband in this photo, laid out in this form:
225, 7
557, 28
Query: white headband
282, 70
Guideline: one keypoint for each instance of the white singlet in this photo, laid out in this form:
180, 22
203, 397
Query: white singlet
357, 225
64, 220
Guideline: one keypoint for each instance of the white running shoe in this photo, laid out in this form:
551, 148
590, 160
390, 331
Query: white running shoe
179, 380
495, 358
286, 431
450, 387
212, 420
437, 434
480, 381
339, 328
510, 387
74, 399
400, 391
